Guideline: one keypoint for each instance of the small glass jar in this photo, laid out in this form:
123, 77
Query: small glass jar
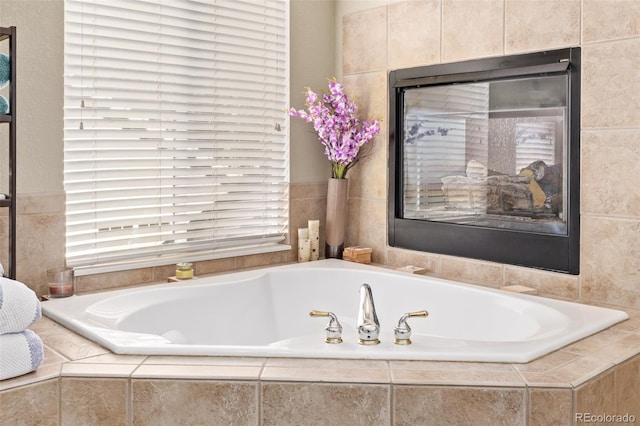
184, 270
60, 282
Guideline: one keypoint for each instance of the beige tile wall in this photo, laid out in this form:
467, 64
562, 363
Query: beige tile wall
427, 405
549, 406
94, 401
470, 29
40, 237
35, 404
608, 32
191, 402
324, 403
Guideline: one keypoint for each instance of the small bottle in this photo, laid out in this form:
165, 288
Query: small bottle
184, 270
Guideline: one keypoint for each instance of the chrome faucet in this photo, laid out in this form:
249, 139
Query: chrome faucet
368, 324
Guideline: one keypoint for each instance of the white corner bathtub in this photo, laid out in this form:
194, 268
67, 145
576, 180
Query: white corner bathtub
265, 313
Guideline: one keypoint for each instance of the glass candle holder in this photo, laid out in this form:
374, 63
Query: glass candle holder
60, 282
184, 270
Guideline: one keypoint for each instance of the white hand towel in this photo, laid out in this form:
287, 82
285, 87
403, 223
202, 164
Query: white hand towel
19, 306
20, 353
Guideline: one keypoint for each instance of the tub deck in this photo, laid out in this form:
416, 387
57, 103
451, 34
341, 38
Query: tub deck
268, 390
265, 313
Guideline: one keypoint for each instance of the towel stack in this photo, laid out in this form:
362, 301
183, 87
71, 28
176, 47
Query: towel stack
21, 350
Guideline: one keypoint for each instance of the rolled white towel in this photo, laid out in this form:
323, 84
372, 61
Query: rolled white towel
19, 306
20, 353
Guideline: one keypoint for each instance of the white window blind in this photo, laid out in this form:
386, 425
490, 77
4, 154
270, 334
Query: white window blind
176, 141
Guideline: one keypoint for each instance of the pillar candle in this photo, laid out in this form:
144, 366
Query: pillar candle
304, 245
314, 237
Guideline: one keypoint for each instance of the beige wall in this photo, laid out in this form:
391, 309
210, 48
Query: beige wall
312, 63
413, 33
40, 91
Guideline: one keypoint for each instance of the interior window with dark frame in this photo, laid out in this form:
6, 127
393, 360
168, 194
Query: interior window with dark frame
484, 159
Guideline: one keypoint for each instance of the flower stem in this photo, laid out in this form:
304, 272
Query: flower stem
338, 171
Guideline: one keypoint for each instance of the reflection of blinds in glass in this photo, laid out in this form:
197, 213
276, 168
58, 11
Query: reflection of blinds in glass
445, 127
535, 141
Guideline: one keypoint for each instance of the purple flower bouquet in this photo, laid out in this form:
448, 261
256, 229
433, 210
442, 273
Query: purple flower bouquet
334, 119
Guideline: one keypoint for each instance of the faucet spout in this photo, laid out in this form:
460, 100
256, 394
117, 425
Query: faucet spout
368, 324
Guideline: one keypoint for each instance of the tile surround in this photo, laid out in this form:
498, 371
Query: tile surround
365, 178
609, 34
597, 396
547, 283
610, 261
357, 57
320, 404
610, 269
627, 390
422, 20
400, 257
32, 404
459, 405
470, 29
610, 19
40, 235
193, 402
322, 370
370, 232
541, 24
609, 77
94, 401
471, 271
458, 373
550, 406
610, 174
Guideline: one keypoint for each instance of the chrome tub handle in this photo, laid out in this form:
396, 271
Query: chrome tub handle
403, 331
333, 329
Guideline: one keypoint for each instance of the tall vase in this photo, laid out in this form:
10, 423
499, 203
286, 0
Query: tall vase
336, 217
